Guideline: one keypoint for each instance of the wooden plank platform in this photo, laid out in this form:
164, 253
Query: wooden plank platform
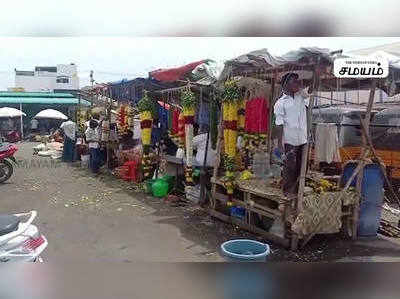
259, 188
274, 238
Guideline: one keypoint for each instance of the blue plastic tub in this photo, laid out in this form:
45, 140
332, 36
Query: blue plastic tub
372, 198
245, 251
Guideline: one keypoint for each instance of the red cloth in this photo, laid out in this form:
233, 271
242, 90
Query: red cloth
257, 115
174, 74
175, 121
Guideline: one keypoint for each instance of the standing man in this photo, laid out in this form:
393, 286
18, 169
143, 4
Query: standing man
93, 139
34, 125
291, 121
69, 129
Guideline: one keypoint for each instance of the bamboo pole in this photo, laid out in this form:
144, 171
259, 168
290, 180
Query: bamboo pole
218, 151
271, 111
304, 160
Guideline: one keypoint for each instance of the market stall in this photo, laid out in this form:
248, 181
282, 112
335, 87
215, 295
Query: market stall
246, 189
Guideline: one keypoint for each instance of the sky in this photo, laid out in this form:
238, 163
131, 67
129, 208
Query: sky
116, 58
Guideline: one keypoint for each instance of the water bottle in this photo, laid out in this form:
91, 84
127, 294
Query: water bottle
261, 167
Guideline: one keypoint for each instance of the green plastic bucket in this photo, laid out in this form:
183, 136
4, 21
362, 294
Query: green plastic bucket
160, 188
170, 180
149, 186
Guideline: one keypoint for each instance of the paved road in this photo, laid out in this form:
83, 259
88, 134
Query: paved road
86, 218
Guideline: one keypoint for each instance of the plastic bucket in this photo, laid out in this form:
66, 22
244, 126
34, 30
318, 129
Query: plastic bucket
160, 188
170, 180
244, 250
149, 186
372, 198
238, 212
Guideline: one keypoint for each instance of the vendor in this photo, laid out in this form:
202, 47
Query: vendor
127, 141
69, 129
93, 139
169, 146
200, 143
34, 125
291, 121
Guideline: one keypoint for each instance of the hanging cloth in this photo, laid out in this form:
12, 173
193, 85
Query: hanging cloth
175, 121
256, 119
203, 115
163, 118
326, 143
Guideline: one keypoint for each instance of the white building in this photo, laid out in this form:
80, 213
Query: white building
60, 77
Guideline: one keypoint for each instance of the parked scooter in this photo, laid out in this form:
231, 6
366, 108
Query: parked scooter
7, 152
20, 240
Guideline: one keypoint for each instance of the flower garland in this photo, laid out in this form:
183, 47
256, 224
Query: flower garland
146, 109
124, 119
230, 120
82, 117
188, 102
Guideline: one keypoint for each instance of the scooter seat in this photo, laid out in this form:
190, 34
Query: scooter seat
8, 224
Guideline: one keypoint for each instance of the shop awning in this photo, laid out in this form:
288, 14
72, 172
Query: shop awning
42, 100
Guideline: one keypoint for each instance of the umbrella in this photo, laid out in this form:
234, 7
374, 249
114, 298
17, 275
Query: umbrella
51, 114
11, 112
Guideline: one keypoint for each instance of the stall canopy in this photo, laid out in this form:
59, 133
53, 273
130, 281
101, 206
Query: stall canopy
11, 112
264, 64
263, 60
175, 74
51, 114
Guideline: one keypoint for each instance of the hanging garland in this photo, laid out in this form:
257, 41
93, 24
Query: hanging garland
124, 119
146, 109
188, 102
230, 100
82, 117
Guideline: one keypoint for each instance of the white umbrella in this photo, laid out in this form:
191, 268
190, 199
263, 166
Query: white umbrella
11, 112
51, 114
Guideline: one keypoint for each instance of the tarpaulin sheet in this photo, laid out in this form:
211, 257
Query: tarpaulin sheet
174, 74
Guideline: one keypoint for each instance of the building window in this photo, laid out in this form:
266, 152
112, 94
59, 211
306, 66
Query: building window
62, 80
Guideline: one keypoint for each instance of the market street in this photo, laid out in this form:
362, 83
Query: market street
105, 219
92, 219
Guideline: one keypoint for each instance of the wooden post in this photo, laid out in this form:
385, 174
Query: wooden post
304, 160
271, 112
367, 120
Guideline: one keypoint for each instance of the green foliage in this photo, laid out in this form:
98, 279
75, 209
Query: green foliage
147, 104
231, 91
229, 163
188, 99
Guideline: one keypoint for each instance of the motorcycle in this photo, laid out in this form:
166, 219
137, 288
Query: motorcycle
7, 152
20, 240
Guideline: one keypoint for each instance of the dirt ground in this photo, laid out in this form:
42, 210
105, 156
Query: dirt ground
105, 219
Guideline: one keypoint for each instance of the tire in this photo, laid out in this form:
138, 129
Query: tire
7, 172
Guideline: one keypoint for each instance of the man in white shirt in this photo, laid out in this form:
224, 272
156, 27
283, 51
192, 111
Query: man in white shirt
34, 125
291, 121
93, 139
199, 143
69, 129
